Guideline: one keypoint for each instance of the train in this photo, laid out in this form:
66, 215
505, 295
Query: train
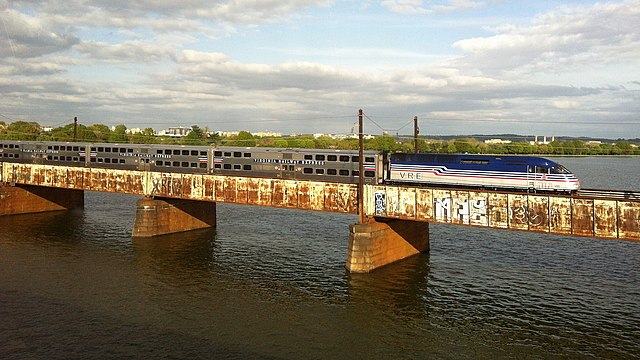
517, 173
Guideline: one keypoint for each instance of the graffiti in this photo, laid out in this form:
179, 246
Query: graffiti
442, 208
465, 211
381, 203
525, 215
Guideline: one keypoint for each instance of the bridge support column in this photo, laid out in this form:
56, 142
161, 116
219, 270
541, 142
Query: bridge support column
379, 243
160, 216
26, 199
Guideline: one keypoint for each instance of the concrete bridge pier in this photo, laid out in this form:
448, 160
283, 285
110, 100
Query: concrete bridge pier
383, 241
26, 199
161, 216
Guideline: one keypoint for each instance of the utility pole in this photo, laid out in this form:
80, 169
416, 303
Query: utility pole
361, 169
75, 128
415, 134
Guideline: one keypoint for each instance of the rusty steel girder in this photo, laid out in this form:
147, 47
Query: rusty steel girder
545, 213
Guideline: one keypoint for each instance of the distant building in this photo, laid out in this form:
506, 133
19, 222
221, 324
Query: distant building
44, 128
543, 142
134, 131
497, 141
179, 131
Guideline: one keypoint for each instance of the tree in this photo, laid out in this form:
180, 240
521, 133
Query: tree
22, 130
119, 134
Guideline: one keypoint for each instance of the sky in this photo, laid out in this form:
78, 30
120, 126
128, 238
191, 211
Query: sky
463, 67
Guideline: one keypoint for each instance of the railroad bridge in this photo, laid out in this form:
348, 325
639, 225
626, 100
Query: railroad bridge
396, 217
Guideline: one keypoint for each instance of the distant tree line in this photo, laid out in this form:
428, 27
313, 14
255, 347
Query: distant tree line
21, 130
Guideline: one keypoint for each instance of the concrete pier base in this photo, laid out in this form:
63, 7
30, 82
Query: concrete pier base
379, 243
25, 199
160, 216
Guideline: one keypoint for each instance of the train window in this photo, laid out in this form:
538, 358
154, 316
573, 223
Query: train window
115, 150
75, 148
474, 162
332, 158
176, 163
121, 161
100, 149
246, 167
237, 154
69, 158
82, 148
10, 146
115, 161
217, 153
69, 148
185, 152
355, 159
107, 161
158, 162
320, 157
203, 153
203, 165
227, 166
320, 171
16, 156
92, 159
247, 155
158, 151
307, 170
227, 153
49, 157
344, 158
369, 174
82, 159
308, 157
236, 167
56, 147
542, 170
107, 149
176, 152
369, 159
184, 164
75, 158
355, 173
167, 152
194, 165
129, 150
217, 166
100, 160
331, 172
344, 172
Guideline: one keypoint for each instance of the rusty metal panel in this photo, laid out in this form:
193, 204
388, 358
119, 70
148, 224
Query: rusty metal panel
253, 191
242, 192
424, 204
407, 202
538, 213
460, 207
518, 211
629, 220
560, 215
229, 189
277, 195
290, 196
478, 208
442, 205
392, 201
341, 198
310, 195
498, 210
1, 172
208, 188
605, 218
265, 195
582, 217
219, 188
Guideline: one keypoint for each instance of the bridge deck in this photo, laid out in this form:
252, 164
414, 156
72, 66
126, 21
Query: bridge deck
581, 216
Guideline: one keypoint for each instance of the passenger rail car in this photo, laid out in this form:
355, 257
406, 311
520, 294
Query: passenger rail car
305, 164
492, 172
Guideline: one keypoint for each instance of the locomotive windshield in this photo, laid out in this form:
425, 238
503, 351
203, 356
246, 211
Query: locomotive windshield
559, 169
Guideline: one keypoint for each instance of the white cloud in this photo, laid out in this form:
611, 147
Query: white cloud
418, 7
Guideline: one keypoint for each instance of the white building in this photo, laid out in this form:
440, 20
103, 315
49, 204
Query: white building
497, 141
179, 131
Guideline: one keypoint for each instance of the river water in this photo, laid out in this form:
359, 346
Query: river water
271, 284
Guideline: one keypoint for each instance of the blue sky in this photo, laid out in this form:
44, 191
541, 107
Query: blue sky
462, 66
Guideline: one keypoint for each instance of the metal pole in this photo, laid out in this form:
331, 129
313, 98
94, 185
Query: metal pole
361, 169
75, 128
415, 134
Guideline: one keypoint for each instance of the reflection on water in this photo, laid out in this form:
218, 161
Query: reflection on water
271, 283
